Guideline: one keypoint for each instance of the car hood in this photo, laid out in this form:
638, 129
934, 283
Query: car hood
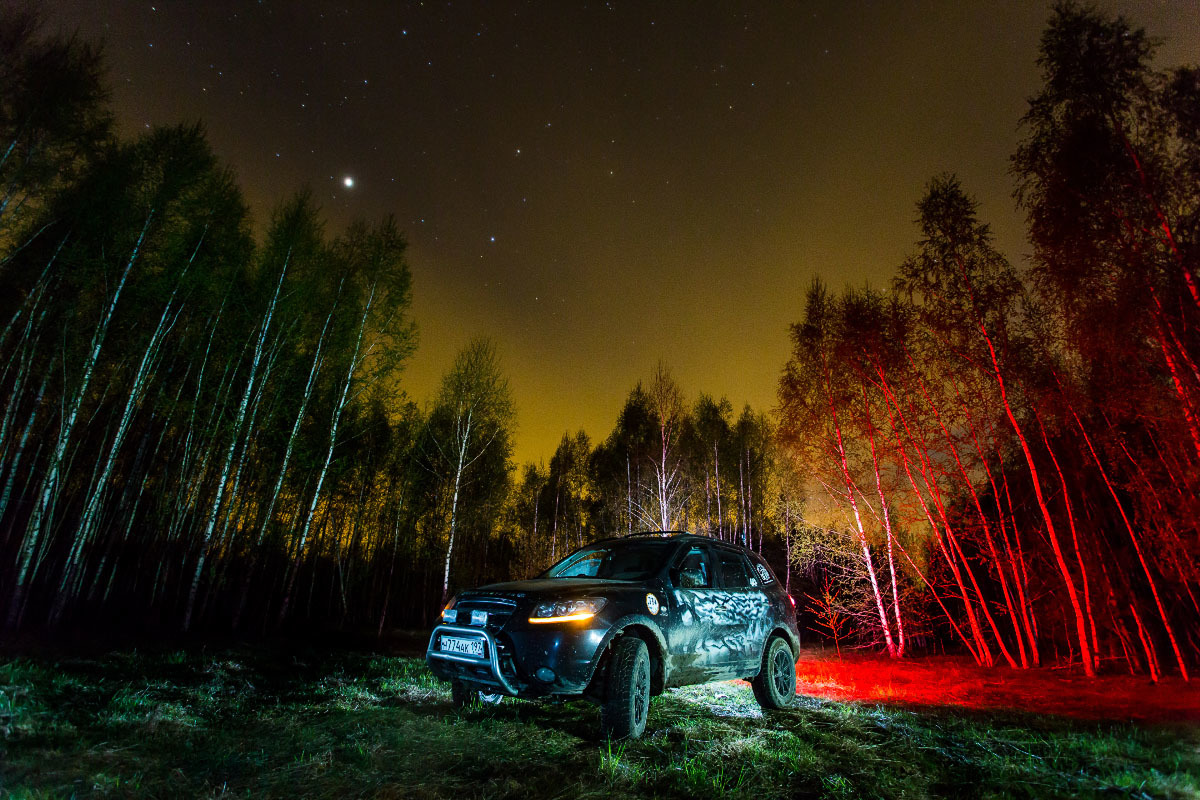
553, 587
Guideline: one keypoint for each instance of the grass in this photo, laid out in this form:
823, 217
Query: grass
266, 723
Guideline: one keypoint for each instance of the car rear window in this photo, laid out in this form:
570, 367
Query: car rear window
765, 575
734, 573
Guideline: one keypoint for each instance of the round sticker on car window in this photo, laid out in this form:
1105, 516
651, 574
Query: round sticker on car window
652, 604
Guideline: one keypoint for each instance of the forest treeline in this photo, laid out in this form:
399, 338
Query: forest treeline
204, 431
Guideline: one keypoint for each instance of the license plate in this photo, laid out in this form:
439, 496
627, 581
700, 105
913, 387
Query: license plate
466, 647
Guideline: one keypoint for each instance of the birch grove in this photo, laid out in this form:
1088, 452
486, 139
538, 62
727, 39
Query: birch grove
203, 429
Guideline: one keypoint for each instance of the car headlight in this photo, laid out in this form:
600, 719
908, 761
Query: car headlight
567, 610
448, 613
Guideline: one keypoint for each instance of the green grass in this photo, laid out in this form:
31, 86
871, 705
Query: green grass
258, 723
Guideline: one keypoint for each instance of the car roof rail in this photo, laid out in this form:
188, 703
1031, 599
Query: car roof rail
664, 535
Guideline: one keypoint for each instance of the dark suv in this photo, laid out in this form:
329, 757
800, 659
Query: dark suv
619, 621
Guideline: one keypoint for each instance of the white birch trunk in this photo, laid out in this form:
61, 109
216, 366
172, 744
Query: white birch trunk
464, 439
43, 511
318, 359
89, 521
218, 497
335, 422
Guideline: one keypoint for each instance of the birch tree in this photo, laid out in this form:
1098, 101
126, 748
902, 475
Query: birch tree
472, 417
370, 265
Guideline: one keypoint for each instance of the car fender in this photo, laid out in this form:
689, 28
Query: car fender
629, 620
780, 630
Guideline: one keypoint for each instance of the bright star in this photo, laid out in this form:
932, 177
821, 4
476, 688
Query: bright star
348, 182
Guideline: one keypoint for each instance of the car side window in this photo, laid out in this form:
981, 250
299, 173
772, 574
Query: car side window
734, 574
693, 571
765, 576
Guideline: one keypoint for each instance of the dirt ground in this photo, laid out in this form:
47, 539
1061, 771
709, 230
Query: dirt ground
952, 681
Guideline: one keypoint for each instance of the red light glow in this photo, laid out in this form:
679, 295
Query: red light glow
951, 681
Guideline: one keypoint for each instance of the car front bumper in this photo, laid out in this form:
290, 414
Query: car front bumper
521, 660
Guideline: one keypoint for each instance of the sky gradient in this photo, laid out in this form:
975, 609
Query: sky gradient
598, 186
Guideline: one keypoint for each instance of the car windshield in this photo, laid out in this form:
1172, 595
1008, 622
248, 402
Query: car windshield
626, 561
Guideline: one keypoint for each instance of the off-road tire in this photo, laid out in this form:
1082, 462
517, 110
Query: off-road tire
627, 693
464, 696
775, 684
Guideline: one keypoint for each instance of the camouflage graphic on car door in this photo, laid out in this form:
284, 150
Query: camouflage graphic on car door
745, 611
694, 635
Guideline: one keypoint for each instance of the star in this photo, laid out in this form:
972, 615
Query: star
348, 182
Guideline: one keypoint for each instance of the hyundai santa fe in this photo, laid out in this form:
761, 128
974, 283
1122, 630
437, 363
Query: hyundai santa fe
620, 621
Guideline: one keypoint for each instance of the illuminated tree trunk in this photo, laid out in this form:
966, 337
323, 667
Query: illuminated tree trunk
1035, 478
236, 506
21, 361
1051, 530
142, 484
14, 463
1137, 547
234, 436
717, 479
1083, 576
887, 525
553, 527
1147, 643
708, 500
537, 497
935, 495
1185, 404
999, 563
30, 304
43, 512
666, 403
628, 494
868, 561
787, 545
318, 360
967, 642
741, 507
334, 423
750, 504
198, 449
90, 519
1019, 567
1164, 223
981, 650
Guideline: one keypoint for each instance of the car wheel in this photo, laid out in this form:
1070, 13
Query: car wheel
627, 696
463, 696
775, 684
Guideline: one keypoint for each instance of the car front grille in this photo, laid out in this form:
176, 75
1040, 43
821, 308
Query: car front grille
498, 609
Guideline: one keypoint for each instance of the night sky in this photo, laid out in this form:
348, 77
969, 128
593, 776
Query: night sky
599, 186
